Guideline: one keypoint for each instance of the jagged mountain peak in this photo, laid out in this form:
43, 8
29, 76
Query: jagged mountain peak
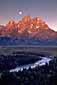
10, 23
29, 27
26, 19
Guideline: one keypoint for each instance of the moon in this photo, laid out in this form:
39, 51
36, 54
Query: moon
20, 12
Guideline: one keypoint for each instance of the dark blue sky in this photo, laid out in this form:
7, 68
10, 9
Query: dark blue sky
46, 9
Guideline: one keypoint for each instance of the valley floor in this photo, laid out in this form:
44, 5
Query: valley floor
46, 50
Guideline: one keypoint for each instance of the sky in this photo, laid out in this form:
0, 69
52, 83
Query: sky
46, 9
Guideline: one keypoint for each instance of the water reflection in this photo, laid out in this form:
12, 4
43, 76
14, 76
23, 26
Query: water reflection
41, 62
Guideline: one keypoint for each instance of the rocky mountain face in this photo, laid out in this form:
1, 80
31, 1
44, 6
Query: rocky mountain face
28, 27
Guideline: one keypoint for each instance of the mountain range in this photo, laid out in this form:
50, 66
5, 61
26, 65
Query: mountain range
28, 30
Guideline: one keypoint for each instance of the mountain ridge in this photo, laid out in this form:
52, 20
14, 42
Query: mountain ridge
28, 27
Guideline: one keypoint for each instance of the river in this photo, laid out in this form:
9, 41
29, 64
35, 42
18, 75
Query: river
41, 62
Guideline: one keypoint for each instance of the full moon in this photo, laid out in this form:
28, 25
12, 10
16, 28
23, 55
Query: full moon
20, 12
